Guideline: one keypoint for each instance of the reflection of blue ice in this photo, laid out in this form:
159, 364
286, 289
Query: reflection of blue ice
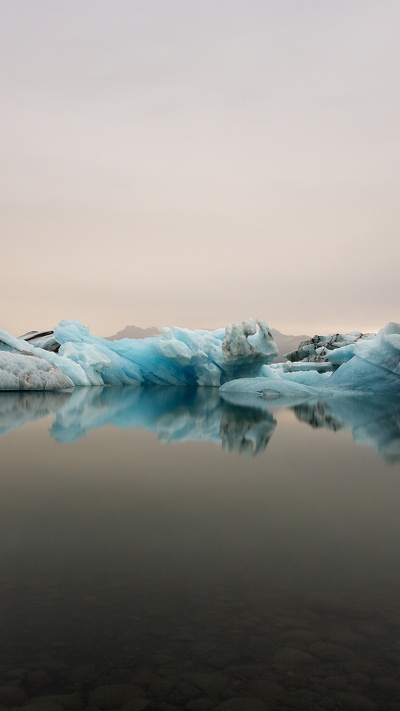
239, 422
174, 414
19, 407
371, 421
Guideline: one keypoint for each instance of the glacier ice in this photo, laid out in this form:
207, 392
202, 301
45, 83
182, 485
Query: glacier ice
238, 358
19, 371
178, 357
41, 339
320, 348
373, 366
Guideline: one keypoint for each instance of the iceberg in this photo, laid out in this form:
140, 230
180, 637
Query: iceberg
42, 339
27, 371
178, 357
370, 365
374, 365
318, 349
237, 358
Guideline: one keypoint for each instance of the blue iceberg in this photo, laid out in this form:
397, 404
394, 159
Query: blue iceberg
237, 358
368, 366
178, 357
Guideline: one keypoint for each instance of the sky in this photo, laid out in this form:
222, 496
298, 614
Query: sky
199, 162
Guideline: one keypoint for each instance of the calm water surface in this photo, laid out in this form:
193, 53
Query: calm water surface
162, 549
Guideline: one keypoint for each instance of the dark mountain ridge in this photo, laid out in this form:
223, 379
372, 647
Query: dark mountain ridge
135, 332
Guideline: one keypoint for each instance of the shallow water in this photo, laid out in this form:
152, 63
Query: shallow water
187, 552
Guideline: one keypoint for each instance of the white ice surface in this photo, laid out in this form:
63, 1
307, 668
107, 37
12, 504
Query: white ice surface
28, 372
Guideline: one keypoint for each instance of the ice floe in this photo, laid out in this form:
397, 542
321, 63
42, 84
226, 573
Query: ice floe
178, 357
238, 358
372, 366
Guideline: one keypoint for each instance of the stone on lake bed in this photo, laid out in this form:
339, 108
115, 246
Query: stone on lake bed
83, 673
360, 679
241, 704
114, 696
301, 699
293, 658
12, 696
355, 702
335, 682
246, 671
69, 702
43, 706
331, 652
265, 689
347, 638
38, 679
299, 636
329, 604
210, 683
14, 674
200, 705
387, 684
221, 660
136, 705
187, 689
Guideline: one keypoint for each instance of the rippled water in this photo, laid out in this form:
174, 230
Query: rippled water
163, 549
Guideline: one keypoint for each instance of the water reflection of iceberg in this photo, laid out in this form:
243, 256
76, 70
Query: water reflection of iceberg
371, 421
241, 423
19, 407
175, 414
246, 430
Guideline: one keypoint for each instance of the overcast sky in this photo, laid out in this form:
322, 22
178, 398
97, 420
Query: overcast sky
197, 162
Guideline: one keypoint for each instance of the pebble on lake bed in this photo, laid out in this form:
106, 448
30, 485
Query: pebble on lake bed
115, 695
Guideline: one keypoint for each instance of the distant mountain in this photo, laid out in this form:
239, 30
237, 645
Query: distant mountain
134, 332
286, 343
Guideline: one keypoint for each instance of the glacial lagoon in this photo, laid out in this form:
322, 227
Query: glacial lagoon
165, 549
